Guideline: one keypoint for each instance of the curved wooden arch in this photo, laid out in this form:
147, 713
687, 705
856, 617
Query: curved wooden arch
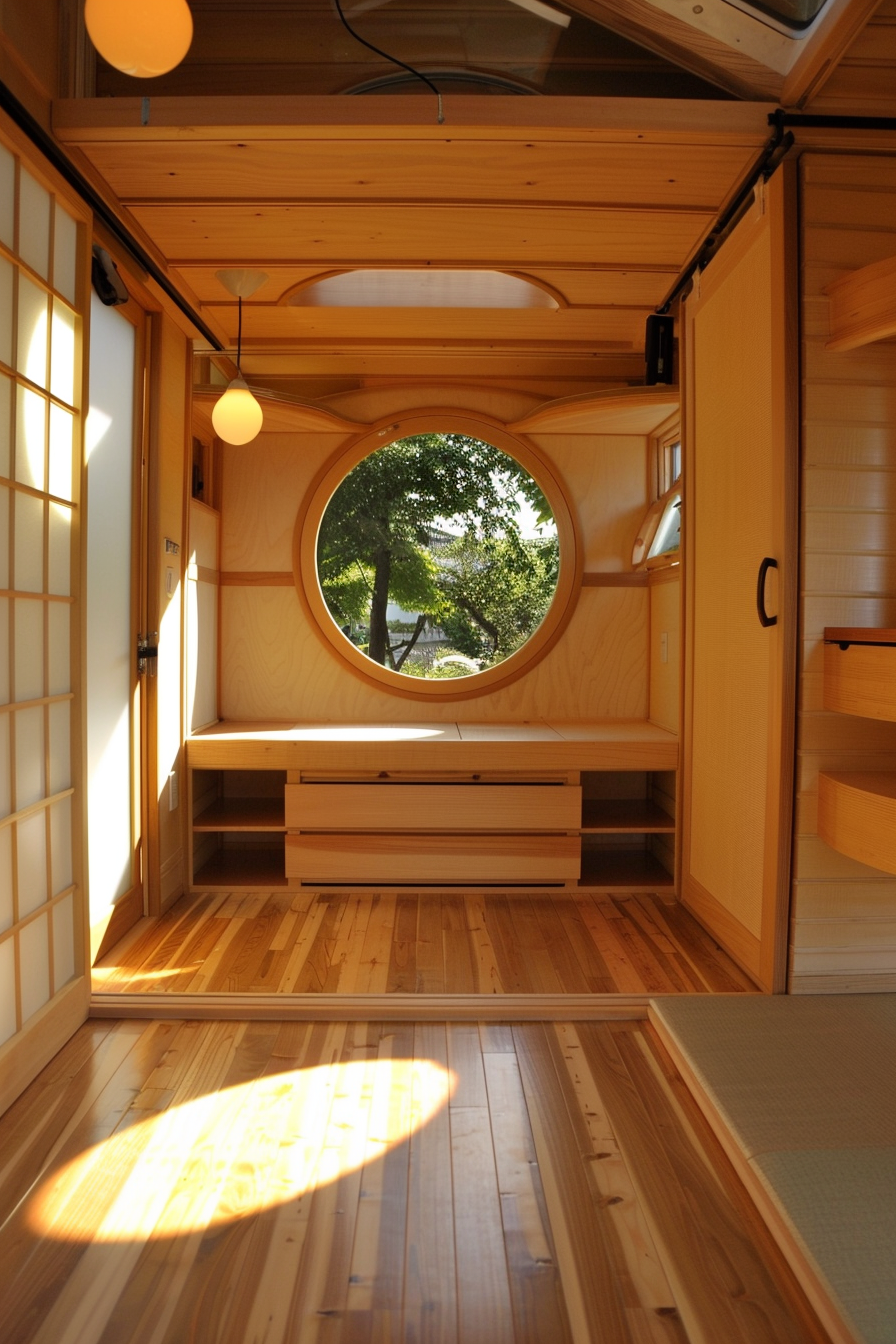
307, 528
285, 299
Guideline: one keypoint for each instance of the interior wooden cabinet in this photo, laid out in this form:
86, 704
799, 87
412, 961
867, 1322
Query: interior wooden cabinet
606, 830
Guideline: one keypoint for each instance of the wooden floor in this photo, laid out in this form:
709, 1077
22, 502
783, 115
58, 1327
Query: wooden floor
320, 1183
307, 943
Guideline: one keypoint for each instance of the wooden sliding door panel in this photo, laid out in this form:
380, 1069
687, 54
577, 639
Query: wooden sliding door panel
741, 556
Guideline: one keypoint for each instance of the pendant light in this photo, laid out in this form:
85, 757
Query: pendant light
237, 417
142, 38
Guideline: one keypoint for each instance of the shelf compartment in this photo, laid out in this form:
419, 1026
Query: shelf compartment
242, 867
639, 816
857, 815
623, 869
242, 814
860, 672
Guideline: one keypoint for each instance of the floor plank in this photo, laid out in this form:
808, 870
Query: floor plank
371, 943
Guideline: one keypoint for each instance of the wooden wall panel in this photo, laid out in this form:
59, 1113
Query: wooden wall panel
843, 925
274, 666
665, 672
864, 79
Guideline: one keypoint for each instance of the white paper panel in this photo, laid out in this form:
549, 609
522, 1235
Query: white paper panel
202, 627
7, 990
34, 224
31, 425
61, 429
31, 351
203, 537
65, 253
60, 846
6, 911
5, 410
5, 765
62, 353
4, 542
29, 646
30, 773
6, 311
7, 197
63, 943
31, 862
60, 746
59, 619
34, 952
59, 571
28, 575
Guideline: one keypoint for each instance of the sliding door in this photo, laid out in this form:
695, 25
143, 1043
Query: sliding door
43, 284
740, 540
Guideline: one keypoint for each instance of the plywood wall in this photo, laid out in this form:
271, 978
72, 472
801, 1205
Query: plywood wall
843, 933
274, 665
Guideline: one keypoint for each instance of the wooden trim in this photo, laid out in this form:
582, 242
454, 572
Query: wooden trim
113, 927
24, 1055
811, 1283
601, 579
334, 471
230, 578
373, 1007
741, 945
360, 117
202, 574
863, 306
666, 574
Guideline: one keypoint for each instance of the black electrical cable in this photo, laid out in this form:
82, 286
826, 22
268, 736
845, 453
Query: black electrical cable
386, 57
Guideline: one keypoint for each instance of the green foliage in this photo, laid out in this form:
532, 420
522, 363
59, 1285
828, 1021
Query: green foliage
430, 523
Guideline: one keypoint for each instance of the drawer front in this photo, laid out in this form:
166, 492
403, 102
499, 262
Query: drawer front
433, 807
429, 859
861, 680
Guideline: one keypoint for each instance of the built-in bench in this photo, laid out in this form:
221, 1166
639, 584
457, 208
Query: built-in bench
801, 1091
433, 804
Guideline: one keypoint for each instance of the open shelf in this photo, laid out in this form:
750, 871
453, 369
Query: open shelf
639, 816
242, 814
620, 869
243, 867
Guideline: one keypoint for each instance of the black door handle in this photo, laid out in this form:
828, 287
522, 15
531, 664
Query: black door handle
764, 618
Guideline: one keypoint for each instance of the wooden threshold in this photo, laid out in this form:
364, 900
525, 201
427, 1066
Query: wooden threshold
373, 1007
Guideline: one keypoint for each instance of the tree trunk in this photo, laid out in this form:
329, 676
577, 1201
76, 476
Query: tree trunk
379, 633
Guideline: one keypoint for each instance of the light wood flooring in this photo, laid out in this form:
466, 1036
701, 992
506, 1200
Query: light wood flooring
343, 1183
348, 944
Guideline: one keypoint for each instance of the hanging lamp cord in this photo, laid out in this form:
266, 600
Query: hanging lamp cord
386, 57
239, 334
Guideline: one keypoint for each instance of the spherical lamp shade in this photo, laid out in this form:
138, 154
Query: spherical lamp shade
237, 416
140, 37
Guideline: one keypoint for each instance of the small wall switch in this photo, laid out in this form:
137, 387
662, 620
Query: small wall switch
664, 647
173, 792
169, 582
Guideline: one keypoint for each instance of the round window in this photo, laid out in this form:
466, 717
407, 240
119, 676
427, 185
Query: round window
433, 563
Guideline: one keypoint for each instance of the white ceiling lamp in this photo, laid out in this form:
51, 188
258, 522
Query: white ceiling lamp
237, 417
142, 38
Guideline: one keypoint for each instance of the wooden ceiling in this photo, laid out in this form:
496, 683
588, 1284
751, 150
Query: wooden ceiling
602, 200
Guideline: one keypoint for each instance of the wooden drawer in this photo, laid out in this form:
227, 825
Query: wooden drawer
423, 858
861, 679
433, 807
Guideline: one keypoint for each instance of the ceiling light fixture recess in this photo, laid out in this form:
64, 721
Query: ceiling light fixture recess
139, 38
237, 417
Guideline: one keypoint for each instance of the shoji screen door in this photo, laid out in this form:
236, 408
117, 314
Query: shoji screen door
43, 278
